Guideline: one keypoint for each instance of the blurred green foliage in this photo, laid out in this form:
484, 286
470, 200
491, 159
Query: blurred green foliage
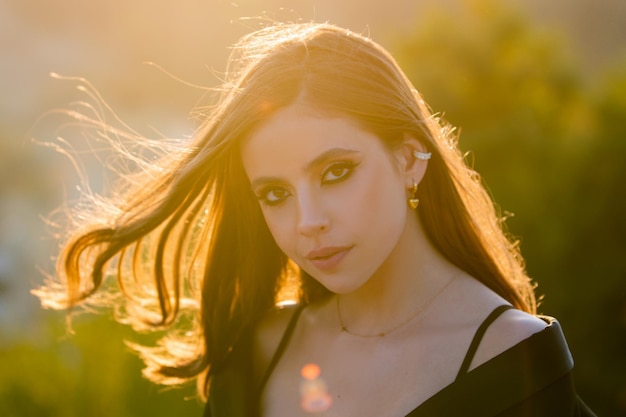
90, 373
550, 144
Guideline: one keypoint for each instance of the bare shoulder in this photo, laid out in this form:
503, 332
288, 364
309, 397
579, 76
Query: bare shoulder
476, 301
268, 333
511, 328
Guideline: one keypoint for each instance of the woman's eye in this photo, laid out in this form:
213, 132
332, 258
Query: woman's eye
273, 196
337, 173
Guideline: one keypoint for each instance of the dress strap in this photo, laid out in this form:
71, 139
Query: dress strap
478, 337
284, 342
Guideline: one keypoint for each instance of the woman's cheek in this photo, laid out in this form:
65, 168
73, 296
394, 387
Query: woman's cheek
277, 223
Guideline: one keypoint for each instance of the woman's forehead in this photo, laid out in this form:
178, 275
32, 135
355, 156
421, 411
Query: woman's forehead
294, 136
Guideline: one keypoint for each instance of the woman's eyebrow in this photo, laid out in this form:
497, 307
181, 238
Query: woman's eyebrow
329, 154
316, 162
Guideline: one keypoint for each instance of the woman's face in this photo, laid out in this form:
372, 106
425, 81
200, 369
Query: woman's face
333, 197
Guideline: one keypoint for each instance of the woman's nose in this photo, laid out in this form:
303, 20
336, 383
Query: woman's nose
312, 218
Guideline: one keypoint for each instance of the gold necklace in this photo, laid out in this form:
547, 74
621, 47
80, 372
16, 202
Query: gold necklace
384, 333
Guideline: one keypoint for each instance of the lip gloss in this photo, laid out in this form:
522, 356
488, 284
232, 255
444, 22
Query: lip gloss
329, 262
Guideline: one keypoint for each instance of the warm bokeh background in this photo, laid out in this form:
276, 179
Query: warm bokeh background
539, 89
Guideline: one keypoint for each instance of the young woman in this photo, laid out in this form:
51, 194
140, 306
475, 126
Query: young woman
321, 169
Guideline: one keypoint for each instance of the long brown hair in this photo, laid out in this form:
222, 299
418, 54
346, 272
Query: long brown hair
190, 237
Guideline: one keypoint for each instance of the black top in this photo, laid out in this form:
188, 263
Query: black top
532, 378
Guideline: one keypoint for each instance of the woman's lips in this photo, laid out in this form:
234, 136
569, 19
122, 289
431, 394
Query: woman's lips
327, 258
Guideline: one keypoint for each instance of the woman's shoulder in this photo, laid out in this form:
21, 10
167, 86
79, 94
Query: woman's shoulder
269, 331
509, 328
274, 322
531, 377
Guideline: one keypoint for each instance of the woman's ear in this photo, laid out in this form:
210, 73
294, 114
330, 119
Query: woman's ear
415, 158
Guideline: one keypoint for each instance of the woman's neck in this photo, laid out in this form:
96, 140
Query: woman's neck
410, 279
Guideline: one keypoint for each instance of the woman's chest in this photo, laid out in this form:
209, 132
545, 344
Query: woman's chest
359, 377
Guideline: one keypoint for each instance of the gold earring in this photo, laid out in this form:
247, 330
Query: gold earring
413, 200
